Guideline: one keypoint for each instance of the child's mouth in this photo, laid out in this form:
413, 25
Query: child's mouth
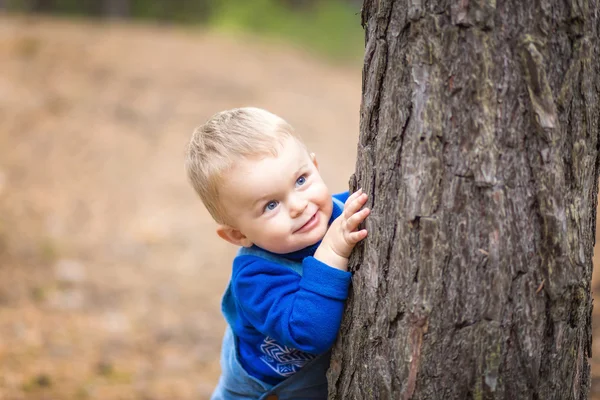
311, 223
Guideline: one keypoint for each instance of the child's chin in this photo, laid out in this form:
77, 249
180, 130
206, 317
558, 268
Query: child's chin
315, 239
301, 246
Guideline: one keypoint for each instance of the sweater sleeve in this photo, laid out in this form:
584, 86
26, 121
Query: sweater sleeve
342, 196
303, 312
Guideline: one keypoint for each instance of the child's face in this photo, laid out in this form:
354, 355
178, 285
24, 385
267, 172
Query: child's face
278, 203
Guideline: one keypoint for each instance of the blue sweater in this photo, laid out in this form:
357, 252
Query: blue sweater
284, 310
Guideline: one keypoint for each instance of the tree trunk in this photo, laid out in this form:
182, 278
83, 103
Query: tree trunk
479, 150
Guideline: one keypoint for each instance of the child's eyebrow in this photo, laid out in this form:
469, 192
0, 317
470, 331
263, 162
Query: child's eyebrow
303, 166
261, 199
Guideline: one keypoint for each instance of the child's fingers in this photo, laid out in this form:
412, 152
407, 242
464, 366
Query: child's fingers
353, 196
353, 207
357, 236
355, 220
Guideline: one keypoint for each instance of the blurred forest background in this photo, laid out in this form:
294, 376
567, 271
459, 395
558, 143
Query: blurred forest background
111, 274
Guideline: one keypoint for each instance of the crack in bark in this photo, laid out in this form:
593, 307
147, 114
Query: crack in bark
464, 324
393, 325
416, 225
401, 136
518, 275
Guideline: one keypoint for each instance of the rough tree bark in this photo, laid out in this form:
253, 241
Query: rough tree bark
479, 149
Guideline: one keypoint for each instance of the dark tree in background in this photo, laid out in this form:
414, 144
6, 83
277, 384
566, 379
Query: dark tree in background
116, 8
479, 149
43, 6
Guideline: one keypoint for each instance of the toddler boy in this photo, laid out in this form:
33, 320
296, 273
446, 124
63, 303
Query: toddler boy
289, 281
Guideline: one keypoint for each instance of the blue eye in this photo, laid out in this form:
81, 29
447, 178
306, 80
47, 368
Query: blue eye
271, 205
301, 181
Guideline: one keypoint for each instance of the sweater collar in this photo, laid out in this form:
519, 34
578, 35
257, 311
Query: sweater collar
299, 255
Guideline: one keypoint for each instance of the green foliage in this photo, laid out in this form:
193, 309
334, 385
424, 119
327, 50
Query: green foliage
183, 11
330, 27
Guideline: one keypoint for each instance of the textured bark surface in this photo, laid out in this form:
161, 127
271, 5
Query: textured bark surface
479, 149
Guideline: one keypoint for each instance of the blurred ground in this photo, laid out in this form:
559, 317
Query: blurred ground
110, 273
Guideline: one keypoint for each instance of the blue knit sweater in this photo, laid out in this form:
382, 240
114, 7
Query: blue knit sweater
284, 310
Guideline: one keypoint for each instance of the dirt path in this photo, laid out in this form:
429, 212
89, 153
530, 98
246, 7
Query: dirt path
110, 274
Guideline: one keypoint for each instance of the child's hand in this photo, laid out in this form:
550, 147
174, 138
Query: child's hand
343, 234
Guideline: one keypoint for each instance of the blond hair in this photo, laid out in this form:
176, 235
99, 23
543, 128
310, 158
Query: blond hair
225, 138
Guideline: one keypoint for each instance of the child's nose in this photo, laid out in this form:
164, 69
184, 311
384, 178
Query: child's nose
297, 206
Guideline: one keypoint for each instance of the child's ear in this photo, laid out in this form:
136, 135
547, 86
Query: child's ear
233, 236
313, 158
